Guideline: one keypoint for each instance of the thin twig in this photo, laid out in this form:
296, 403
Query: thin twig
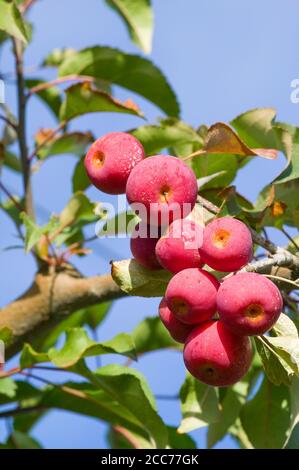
9, 373
127, 435
26, 5
20, 411
290, 238
47, 139
18, 53
167, 397
11, 197
9, 122
58, 81
48, 368
283, 279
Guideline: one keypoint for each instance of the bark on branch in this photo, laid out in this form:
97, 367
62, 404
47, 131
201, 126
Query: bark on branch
50, 297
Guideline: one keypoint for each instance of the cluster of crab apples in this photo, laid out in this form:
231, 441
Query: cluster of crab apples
214, 319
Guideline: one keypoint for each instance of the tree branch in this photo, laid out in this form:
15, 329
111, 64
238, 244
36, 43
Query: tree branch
51, 296
58, 81
11, 197
22, 141
8, 122
280, 259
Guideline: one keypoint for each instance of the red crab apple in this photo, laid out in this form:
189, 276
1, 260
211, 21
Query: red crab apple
143, 243
164, 186
178, 248
110, 160
249, 303
191, 295
227, 244
178, 331
217, 356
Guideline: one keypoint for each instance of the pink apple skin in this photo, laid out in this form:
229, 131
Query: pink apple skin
143, 249
216, 356
110, 160
249, 303
178, 248
227, 244
178, 331
191, 295
165, 186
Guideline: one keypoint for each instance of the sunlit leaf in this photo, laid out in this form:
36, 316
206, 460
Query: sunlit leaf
69, 143
83, 98
199, 404
138, 17
11, 21
134, 279
129, 71
266, 417
151, 334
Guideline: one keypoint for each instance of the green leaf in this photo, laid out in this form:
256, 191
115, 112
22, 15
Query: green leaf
82, 98
121, 438
150, 335
80, 179
179, 441
78, 208
11, 210
209, 164
255, 127
6, 335
12, 162
199, 404
134, 279
57, 56
291, 171
278, 205
276, 369
122, 223
169, 133
7, 387
77, 346
266, 417
102, 402
129, 71
138, 17
280, 353
20, 440
285, 327
230, 409
24, 391
73, 143
34, 231
293, 440
293, 437
79, 318
11, 21
29, 357
95, 315
131, 390
50, 96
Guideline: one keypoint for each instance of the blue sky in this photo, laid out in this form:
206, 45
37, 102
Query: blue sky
222, 58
